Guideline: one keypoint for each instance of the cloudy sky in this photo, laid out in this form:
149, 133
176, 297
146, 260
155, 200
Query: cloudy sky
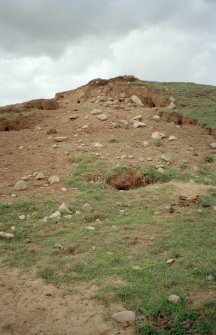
47, 46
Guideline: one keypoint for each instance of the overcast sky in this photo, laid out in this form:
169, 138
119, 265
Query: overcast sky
47, 46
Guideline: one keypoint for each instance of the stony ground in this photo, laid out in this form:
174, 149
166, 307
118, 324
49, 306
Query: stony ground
114, 121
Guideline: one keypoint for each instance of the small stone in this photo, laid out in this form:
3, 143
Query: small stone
156, 135
136, 267
98, 145
13, 195
51, 131
213, 145
172, 138
96, 112
170, 261
6, 236
171, 106
45, 219
55, 215
156, 117
39, 176
214, 208
124, 317
145, 143
63, 208
87, 208
21, 147
73, 117
64, 189
174, 298
166, 158
13, 228
102, 117
68, 216
138, 124
85, 126
26, 178
54, 180
137, 118
77, 212
22, 217
210, 277
172, 99
20, 185
124, 122
149, 159
58, 246
137, 100
60, 138
160, 170
90, 228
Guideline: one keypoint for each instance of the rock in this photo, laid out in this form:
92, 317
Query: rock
156, 117
6, 236
172, 138
20, 185
68, 216
54, 180
102, 117
172, 99
170, 261
58, 246
124, 317
73, 117
39, 176
160, 170
26, 178
137, 118
60, 138
210, 277
98, 145
51, 131
149, 159
146, 143
124, 122
175, 299
55, 215
85, 126
13, 195
138, 124
96, 112
136, 100
171, 106
136, 267
166, 158
22, 217
213, 145
87, 208
156, 135
214, 208
63, 208
90, 228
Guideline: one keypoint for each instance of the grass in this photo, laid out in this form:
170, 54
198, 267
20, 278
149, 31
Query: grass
127, 234
113, 140
159, 143
194, 101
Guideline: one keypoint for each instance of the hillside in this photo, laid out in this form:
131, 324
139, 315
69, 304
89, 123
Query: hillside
134, 165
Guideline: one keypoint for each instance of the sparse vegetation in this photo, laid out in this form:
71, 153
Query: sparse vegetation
209, 158
159, 143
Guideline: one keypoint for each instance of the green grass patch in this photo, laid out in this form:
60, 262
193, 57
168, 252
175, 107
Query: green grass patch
125, 253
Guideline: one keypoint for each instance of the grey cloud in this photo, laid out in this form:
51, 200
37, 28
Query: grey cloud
48, 27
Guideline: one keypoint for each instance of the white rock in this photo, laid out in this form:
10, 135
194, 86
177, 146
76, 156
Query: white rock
60, 138
156, 117
13, 228
124, 317
54, 180
213, 145
20, 185
214, 208
156, 135
166, 158
210, 278
136, 100
136, 267
174, 298
98, 145
68, 216
170, 261
149, 159
96, 112
85, 126
73, 116
102, 117
64, 189
138, 124
55, 215
39, 176
137, 118
160, 170
172, 138
146, 143
172, 99
171, 106
63, 208
77, 212
22, 217
6, 236
26, 178
45, 219
90, 228
87, 208
13, 195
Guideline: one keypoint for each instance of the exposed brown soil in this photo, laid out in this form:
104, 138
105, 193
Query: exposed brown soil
29, 306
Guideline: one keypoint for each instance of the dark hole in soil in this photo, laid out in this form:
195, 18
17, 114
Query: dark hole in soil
126, 180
